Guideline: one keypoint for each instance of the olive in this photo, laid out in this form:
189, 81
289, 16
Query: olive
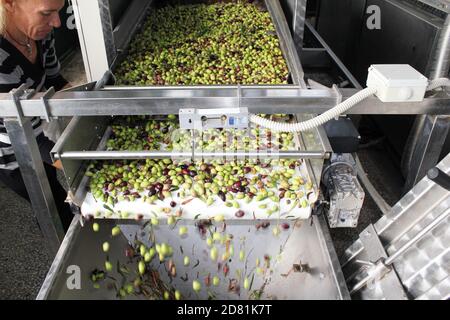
239, 214
222, 196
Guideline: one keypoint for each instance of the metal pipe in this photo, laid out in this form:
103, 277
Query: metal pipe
439, 177
441, 59
110, 155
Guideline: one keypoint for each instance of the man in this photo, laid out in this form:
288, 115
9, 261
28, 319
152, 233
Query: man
27, 55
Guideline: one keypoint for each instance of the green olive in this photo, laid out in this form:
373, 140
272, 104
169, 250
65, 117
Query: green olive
196, 285
141, 267
105, 246
108, 266
115, 231
182, 230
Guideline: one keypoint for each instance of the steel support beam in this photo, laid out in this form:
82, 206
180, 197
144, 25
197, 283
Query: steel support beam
162, 101
36, 181
298, 25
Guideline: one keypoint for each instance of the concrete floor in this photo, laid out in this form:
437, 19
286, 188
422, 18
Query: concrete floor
24, 259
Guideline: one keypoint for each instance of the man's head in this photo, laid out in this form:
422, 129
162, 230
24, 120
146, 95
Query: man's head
34, 18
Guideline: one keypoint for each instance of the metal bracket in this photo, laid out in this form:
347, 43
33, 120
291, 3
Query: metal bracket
47, 95
107, 78
378, 273
16, 95
201, 119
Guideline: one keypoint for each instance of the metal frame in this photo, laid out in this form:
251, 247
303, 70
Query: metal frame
169, 100
154, 101
429, 132
33, 172
291, 99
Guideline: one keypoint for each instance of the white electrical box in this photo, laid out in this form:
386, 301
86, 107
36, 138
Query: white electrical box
397, 82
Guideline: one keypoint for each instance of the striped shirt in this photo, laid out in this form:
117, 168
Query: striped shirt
16, 69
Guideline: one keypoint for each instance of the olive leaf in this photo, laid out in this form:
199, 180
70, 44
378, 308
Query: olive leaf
108, 208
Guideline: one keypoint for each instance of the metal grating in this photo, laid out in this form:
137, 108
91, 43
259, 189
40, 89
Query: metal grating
439, 8
107, 26
424, 268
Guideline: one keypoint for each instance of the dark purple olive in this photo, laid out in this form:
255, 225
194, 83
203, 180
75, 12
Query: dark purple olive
173, 204
126, 192
136, 195
123, 184
221, 195
152, 191
165, 172
265, 224
247, 170
292, 166
285, 226
239, 214
158, 186
192, 173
